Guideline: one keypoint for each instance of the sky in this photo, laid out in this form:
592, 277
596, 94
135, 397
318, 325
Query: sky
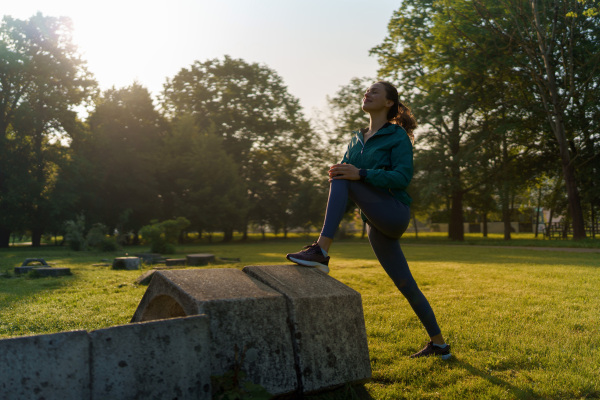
316, 46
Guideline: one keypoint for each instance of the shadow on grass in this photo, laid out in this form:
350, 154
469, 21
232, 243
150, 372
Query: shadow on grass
517, 392
345, 392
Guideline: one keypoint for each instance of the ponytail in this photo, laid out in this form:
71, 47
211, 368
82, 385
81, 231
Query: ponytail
399, 113
405, 118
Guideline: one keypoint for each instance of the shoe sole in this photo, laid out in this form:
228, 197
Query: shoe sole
304, 263
442, 356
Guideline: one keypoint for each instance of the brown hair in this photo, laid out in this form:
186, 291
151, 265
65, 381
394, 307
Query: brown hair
399, 113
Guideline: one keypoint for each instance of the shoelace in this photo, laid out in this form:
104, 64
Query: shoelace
309, 246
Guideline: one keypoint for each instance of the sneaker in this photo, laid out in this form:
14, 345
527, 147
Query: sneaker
311, 256
431, 350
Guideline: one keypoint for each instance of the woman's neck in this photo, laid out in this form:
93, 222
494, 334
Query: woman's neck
377, 121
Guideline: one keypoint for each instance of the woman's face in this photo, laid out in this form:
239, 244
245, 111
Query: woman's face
375, 99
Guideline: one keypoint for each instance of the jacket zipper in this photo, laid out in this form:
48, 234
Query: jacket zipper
363, 146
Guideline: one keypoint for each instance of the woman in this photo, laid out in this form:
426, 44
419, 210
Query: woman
375, 173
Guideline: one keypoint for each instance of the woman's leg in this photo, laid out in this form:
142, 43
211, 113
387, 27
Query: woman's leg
376, 204
392, 260
315, 255
387, 222
336, 206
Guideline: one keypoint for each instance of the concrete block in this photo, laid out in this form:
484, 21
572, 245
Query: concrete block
55, 366
50, 271
129, 263
329, 332
244, 314
199, 259
164, 359
150, 258
27, 267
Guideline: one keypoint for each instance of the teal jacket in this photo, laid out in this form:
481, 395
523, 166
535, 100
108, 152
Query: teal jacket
388, 158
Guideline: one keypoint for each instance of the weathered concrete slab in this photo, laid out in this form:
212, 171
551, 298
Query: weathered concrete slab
199, 259
244, 314
129, 263
51, 271
55, 366
150, 258
31, 263
164, 359
328, 324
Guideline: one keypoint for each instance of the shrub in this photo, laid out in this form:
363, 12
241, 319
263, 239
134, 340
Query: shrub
95, 236
74, 233
109, 244
162, 236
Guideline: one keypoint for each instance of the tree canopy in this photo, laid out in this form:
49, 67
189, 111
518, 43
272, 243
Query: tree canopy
505, 93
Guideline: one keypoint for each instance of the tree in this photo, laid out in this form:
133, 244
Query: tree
556, 45
121, 154
251, 109
42, 78
199, 180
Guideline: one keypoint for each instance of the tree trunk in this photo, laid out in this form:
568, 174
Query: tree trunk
4, 237
228, 235
36, 237
575, 208
505, 188
549, 224
245, 232
565, 232
485, 224
537, 211
556, 116
505, 214
456, 229
593, 222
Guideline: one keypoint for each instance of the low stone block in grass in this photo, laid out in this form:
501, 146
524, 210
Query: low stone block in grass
195, 260
129, 263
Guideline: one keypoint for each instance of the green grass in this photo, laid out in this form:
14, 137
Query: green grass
523, 323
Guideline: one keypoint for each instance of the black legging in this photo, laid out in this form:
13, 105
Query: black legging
387, 219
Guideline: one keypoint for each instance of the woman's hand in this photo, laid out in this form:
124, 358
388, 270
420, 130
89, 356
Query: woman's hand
344, 171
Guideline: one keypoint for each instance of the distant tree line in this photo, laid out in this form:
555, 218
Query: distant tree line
506, 94
226, 147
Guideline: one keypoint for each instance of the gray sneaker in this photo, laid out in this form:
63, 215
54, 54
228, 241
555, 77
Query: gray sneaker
311, 256
431, 350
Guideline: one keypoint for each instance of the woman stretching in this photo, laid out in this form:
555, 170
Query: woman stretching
374, 173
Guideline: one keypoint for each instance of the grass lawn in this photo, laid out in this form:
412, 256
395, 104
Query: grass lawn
523, 323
